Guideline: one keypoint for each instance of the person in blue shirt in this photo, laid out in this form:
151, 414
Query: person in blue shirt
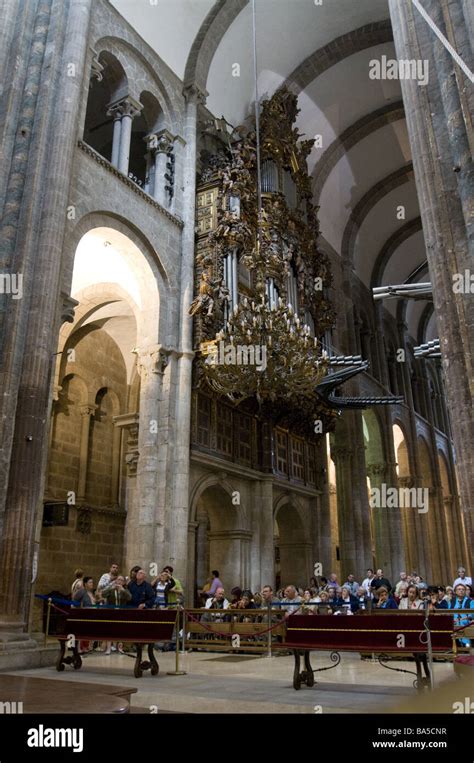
385, 601
143, 595
347, 599
461, 601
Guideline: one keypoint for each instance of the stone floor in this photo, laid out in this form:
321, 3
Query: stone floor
217, 683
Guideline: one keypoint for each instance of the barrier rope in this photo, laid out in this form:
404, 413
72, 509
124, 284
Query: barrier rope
228, 635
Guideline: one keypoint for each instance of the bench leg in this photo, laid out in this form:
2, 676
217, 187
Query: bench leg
308, 673
296, 672
137, 670
153, 662
74, 659
422, 682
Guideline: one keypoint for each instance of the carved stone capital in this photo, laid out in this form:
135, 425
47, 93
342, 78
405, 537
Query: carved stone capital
87, 409
96, 67
192, 90
124, 107
159, 142
376, 469
68, 306
339, 453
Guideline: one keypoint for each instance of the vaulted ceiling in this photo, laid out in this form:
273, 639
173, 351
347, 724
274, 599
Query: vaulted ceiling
362, 170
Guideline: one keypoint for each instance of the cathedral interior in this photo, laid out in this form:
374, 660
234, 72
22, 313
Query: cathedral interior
184, 189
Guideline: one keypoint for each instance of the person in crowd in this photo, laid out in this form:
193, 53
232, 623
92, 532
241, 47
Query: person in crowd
402, 593
218, 601
323, 583
462, 578
332, 582
351, 584
378, 581
268, 597
402, 582
143, 595
215, 584
108, 577
235, 596
461, 601
85, 595
436, 600
347, 600
420, 583
116, 594
469, 591
78, 575
257, 599
363, 599
384, 601
332, 595
324, 607
163, 584
309, 602
366, 583
449, 593
412, 599
246, 602
133, 574
291, 601
313, 583
176, 593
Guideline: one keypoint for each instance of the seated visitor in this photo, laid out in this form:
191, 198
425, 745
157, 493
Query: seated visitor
324, 607
436, 600
384, 601
332, 582
402, 582
142, 593
363, 599
347, 600
411, 600
461, 601
309, 602
235, 596
291, 601
402, 593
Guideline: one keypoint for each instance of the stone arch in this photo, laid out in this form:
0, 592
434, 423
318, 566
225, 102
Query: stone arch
207, 40
341, 47
112, 85
368, 202
293, 563
389, 248
356, 132
220, 540
148, 79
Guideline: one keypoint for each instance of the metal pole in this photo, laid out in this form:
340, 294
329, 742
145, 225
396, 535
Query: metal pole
269, 635
177, 671
430, 648
48, 616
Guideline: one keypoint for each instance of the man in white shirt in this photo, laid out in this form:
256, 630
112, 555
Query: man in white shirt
403, 580
108, 577
367, 581
218, 601
462, 578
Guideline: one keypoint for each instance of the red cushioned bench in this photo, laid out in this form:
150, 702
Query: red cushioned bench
137, 626
381, 633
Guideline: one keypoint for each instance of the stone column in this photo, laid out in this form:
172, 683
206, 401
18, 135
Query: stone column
34, 234
128, 424
179, 509
123, 112
342, 457
145, 524
377, 474
159, 144
440, 133
86, 411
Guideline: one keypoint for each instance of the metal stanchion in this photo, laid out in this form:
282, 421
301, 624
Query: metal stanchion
177, 671
48, 616
269, 635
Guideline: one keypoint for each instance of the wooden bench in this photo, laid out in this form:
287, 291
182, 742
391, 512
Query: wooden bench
381, 633
127, 625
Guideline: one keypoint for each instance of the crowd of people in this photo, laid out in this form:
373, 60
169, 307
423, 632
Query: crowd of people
321, 596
